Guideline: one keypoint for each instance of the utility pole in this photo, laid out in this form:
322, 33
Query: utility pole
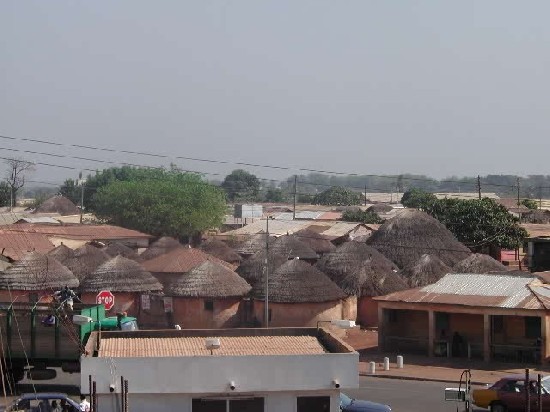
519, 211
479, 187
81, 182
294, 208
365, 195
266, 298
527, 388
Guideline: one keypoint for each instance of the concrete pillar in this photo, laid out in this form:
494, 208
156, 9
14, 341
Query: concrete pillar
486, 338
431, 332
545, 344
381, 327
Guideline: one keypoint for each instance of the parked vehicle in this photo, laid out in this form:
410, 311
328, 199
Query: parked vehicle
348, 404
30, 402
43, 337
508, 395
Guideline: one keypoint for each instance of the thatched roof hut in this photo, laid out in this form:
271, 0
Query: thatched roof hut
411, 234
380, 208
298, 282
479, 263
291, 247
427, 270
120, 274
37, 272
58, 204
253, 244
85, 260
61, 253
164, 245
361, 270
252, 269
220, 250
320, 244
116, 248
209, 280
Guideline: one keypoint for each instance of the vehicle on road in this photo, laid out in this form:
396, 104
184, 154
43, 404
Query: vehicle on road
348, 404
41, 401
508, 395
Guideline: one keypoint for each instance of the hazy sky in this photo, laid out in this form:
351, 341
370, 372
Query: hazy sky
434, 87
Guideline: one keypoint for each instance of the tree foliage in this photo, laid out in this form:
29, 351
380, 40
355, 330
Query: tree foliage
361, 216
338, 196
274, 195
418, 199
479, 223
71, 191
4, 194
16, 175
165, 203
530, 204
241, 185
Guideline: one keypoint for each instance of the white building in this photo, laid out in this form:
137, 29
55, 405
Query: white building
253, 370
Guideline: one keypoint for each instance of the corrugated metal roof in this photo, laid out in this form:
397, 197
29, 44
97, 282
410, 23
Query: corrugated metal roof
537, 229
39, 220
304, 214
489, 290
10, 218
17, 244
276, 228
79, 232
339, 229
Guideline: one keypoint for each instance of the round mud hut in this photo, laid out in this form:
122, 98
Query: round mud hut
253, 269
116, 248
479, 263
160, 247
209, 296
58, 204
427, 270
362, 273
35, 276
291, 247
320, 244
126, 280
253, 244
220, 250
411, 234
85, 260
299, 295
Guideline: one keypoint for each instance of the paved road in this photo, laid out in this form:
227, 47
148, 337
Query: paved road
405, 395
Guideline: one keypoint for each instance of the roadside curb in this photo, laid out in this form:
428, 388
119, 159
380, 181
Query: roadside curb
418, 378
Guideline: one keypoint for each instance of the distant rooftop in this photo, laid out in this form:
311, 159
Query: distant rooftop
233, 342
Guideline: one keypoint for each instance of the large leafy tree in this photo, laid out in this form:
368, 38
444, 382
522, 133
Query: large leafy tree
171, 204
479, 223
361, 216
418, 199
241, 185
338, 196
4, 194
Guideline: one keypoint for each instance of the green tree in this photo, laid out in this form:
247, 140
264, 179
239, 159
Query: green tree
4, 194
530, 204
418, 199
241, 185
174, 204
479, 223
274, 195
362, 216
71, 191
338, 196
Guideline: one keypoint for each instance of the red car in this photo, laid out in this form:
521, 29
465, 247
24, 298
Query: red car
508, 395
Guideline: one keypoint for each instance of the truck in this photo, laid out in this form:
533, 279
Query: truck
39, 337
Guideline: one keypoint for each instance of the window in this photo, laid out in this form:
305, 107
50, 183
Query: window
532, 327
208, 405
209, 305
269, 314
391, 315
313, 403
498, 324
231, 405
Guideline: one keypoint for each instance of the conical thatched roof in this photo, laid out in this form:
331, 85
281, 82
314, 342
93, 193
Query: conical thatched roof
164, 245
116, 248
298, 282
478, 263
58, 204
380, 208
361, 270
320, 244
427, 270
291, 247
411, 234
209, 280
253, 244
220, 250
85, 260
252, 269
120, 274
37, 272
61, 253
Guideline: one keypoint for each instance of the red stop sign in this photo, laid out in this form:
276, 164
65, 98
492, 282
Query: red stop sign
106, 298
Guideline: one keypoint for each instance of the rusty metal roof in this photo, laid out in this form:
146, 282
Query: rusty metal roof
489, 290
79, 232
15, 245
195, 346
